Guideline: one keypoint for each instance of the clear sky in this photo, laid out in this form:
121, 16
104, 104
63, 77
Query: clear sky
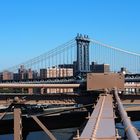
29, 28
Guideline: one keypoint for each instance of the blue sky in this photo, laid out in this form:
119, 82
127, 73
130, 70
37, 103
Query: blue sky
29, 28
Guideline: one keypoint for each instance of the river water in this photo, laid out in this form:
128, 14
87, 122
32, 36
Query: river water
62, 134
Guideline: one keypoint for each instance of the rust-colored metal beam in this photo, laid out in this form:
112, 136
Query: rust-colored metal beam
17, 124
130, 98
51, 136
126, 85
21, 85
130, 101
2, 115
71, 98
43, 102
132, 108
101, 123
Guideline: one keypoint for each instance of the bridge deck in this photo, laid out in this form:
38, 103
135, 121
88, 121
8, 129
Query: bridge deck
101, 123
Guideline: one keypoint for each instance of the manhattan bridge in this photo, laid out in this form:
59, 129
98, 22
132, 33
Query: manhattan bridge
83, 50
82, 83
81, 54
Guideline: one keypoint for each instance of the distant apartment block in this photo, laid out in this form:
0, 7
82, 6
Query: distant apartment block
1, 76
99, 68
7, 75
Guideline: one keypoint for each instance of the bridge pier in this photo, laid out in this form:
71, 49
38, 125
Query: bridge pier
82, 53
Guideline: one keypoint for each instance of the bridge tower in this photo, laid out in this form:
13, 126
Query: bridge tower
82, 53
